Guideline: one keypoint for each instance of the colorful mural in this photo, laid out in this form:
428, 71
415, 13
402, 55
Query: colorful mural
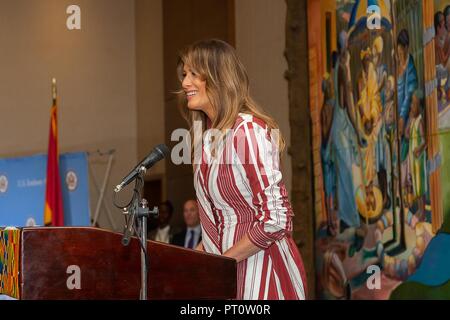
379, 99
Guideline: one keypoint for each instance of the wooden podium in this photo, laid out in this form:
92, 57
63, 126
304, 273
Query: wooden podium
90, 263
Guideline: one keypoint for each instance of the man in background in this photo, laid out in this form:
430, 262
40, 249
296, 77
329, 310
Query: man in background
163, 232
191, 235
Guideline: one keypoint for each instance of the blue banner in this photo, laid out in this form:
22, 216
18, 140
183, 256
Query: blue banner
22, 189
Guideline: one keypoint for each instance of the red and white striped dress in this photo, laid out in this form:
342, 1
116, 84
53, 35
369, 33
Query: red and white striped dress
239, 191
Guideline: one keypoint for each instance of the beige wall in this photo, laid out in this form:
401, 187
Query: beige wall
150, 80
260, 42
95, 69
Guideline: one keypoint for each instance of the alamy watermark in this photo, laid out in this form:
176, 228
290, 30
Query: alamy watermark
373, 17
74, 279
73, 21
244, 145
374, 280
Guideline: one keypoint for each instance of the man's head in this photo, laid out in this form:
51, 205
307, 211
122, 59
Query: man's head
165, 213
403, 45
190, 213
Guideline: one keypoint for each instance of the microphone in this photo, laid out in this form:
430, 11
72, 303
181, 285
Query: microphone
157, 154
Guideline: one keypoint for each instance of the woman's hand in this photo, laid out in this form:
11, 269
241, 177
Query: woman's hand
242, 249
199, 247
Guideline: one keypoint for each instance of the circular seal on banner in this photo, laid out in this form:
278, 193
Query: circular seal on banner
3, 184
71, 180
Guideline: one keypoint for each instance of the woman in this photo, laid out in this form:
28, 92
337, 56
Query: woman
243, 204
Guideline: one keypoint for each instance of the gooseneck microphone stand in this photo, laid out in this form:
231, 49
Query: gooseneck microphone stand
137, 214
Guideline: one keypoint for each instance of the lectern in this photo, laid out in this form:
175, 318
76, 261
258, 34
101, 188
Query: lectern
90, 263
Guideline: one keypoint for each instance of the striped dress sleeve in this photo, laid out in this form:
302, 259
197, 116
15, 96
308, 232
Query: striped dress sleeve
257, 152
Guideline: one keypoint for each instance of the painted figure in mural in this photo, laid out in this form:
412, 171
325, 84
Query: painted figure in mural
415, 132
369, 102
334, 277
329, 172
381, 148
343, 138
381, 68
389, 132
406, 86
369, 109
344, 268
388, 114
442, 53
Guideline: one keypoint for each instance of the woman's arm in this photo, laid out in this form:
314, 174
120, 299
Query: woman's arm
259, 165
242, 249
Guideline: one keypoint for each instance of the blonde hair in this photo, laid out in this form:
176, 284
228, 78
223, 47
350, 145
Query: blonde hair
227, 86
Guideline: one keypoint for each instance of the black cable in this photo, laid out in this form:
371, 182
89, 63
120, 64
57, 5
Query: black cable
139, 183
129, 203
135, 193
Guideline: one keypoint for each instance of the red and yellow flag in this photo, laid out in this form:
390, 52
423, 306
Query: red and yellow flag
53, 214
